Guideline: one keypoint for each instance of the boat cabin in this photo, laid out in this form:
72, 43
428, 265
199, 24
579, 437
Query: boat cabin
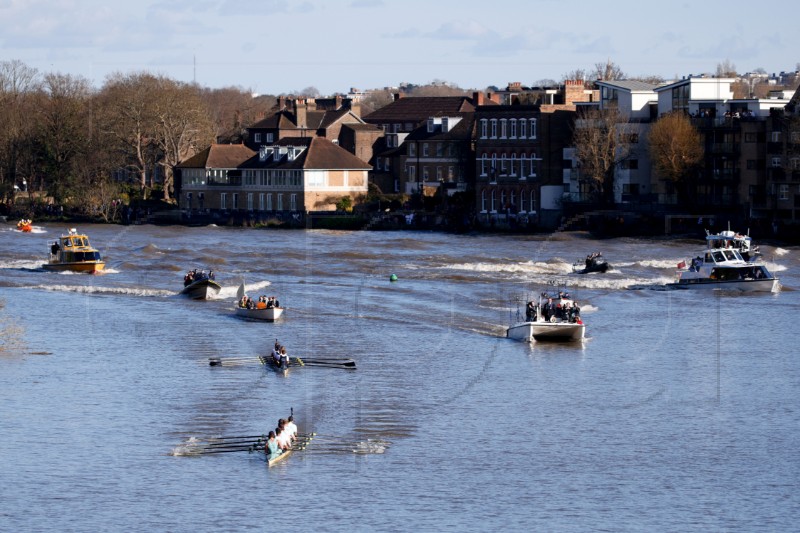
72, 248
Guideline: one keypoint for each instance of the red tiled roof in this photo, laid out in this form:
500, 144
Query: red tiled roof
417, 108
219, 156
322, 154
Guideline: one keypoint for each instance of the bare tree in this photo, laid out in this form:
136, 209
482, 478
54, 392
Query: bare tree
19, 85
182, 125
653, 79
577, 74
64, 123
676, 149
233, 109
130, 121
726, 69
608, 71
602, 141
375, 100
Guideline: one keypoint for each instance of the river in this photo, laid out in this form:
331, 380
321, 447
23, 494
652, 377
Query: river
679, 412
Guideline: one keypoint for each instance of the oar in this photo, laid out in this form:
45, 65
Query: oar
240, 438
207, 452
232, 443
325, 361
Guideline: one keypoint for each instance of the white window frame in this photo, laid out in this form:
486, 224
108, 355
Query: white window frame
280, 201
223, 200
522, 128
249, 201
293, 202
257, 137
412, 149
532, 132
493, 129
484, 128
513, 128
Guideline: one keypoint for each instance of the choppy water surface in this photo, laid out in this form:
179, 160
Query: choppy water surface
679, 412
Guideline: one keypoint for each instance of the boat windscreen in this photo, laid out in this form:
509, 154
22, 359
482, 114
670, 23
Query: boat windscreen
729, 255
718, 257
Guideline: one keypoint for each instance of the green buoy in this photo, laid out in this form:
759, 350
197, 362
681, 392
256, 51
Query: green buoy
393, 277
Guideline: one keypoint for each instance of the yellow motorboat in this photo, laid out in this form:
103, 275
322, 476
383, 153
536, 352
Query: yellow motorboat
73, 252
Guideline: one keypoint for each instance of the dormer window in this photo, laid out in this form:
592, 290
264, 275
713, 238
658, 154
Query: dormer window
257, 137
430, 125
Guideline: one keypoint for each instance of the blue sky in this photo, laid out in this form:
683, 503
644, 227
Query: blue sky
281, 46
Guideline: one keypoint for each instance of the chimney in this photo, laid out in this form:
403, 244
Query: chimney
300, 113
338, 104
397, 96
494, 97
477, 98
281, 103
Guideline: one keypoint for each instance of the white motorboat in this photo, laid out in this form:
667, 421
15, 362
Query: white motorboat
723, 267
553, 318
265, 314
264, 308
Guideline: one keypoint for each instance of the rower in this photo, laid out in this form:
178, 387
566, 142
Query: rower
282, 438
291, 427
271, 447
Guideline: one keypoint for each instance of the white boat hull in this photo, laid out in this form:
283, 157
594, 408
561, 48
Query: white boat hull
744, 285
546, 331
267, 315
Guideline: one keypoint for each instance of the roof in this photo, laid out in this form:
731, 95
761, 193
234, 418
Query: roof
629, 85
362, 127
417, 108
319, 153
287, 120
219, 156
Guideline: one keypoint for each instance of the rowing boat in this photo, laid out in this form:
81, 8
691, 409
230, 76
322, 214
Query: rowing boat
281, 457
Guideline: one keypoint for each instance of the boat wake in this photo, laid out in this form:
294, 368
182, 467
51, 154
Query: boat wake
22, 264
227, 293
529, 267
371, 446
125, 291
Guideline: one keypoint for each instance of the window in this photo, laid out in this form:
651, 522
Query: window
235, 200
280, 202
503, 168
522, 197
493, 132
794, 163
513, 128
249, 201
450, 173
293, 202
269, 202
257, 138
776, 162
424, 149
493, 168
493, 205
484, 163
425, 173
483, 200
775, 136
532, 132
223, 200
503, 128
749, 137
439, 174
269, 138
513, 164
261, 201
484, 125
439, 150
783, 192
412, 150
411, 172
522, 128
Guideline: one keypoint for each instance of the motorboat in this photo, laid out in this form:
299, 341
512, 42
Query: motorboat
555, 317
73, 252
198, 285
25, 225
723, 267
266, 308
593, 263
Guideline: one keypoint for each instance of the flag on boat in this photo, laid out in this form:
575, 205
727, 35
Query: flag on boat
682, 264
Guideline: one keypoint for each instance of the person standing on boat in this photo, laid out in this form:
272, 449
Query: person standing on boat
275, 302
271, 448
530, 312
